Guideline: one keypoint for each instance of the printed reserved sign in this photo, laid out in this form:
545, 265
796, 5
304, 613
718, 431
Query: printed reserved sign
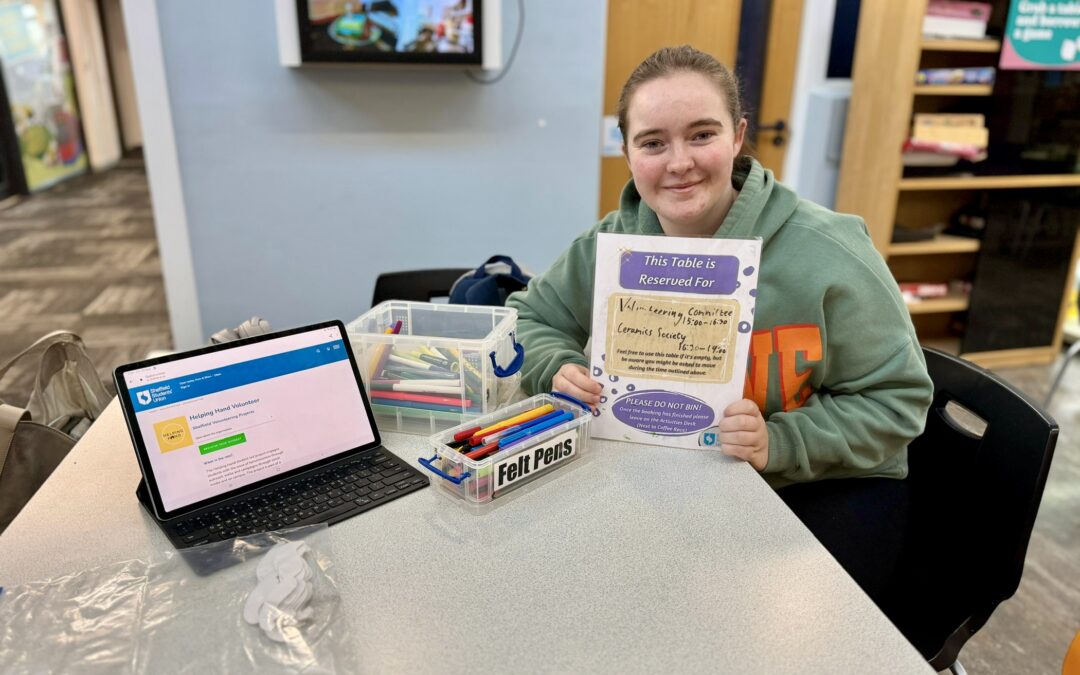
534, 459
671, 328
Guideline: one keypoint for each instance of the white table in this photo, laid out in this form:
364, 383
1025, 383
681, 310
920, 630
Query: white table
631, 559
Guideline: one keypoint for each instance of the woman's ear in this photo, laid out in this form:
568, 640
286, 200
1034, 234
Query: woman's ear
740, 134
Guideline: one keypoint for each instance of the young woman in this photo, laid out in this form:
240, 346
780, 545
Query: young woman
836, 384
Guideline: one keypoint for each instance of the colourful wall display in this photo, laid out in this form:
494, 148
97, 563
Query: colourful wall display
1042, 35
40, 92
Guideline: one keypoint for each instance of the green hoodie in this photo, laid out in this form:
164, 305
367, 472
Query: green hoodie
834, 366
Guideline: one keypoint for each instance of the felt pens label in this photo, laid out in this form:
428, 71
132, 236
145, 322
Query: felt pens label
535, 459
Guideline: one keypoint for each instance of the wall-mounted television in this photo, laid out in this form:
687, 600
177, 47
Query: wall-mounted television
428, 32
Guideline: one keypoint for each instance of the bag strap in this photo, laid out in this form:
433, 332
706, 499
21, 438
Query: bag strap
44, 339
10, 416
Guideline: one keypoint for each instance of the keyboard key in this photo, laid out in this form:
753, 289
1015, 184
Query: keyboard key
403, 485
333, 502
395, 477
363, 501
319, 508
349, 496
375, 496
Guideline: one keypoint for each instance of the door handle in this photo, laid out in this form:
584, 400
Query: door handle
779, 126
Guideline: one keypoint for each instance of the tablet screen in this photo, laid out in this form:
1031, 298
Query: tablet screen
214, 422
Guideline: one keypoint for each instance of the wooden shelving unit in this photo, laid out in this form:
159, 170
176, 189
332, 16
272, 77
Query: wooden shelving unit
987, 45
949, 303
954, 89
990, 182
943, 243
890, 49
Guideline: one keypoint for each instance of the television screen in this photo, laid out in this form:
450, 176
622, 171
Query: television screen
390, 31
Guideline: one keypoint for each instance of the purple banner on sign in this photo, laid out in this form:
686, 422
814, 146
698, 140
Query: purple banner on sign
669, 413
679, 272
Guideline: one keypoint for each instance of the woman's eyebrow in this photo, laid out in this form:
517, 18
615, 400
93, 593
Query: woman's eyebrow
705, 122
647, 132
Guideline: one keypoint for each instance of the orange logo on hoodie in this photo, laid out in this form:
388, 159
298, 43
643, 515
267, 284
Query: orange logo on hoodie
788, 344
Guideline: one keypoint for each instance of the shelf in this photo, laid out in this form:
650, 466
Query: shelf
954, 89
942, 243
949, 303
988, 45
991, 182
949, 345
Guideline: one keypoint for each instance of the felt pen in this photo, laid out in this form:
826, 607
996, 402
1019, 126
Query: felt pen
416, 363
410, 373
379, 359
487, 438
436, 361
452, 388
421, 405
481, 452
387, 383
517, 419
421, 398
466, 434
521, 436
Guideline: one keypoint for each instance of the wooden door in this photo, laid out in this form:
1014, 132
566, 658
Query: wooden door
774, 114
637, 28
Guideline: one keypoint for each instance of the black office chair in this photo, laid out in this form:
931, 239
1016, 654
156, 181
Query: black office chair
416, 285
974, 497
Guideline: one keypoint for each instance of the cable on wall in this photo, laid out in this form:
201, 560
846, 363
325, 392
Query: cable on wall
513, 51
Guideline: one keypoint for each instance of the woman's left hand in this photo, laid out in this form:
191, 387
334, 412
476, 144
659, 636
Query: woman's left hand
743, 434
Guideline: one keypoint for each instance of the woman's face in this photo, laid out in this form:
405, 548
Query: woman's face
681, 145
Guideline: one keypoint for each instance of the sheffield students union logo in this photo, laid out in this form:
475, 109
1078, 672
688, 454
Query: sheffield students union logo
143, 397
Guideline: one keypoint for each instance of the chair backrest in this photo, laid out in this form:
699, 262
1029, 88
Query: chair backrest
416, 285
974, 498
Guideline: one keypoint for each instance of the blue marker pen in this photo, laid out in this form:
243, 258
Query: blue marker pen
520, 436
510, 431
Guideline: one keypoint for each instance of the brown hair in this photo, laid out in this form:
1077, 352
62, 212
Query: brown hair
684, 58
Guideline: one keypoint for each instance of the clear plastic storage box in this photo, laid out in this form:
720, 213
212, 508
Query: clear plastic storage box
539, 453
446, 364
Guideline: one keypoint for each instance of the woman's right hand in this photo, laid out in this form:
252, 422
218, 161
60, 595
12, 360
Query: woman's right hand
573, 379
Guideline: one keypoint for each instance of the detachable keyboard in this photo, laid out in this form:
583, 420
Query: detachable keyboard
328, 495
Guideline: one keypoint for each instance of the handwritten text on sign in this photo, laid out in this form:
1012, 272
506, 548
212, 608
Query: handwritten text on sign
665, 338
683, 273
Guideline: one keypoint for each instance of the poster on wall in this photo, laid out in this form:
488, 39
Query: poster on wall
40, 92
1042, 35
672, 320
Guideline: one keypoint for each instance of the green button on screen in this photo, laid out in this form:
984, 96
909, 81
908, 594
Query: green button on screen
222, 443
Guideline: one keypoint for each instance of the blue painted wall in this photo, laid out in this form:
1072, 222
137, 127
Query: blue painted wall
302, 185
